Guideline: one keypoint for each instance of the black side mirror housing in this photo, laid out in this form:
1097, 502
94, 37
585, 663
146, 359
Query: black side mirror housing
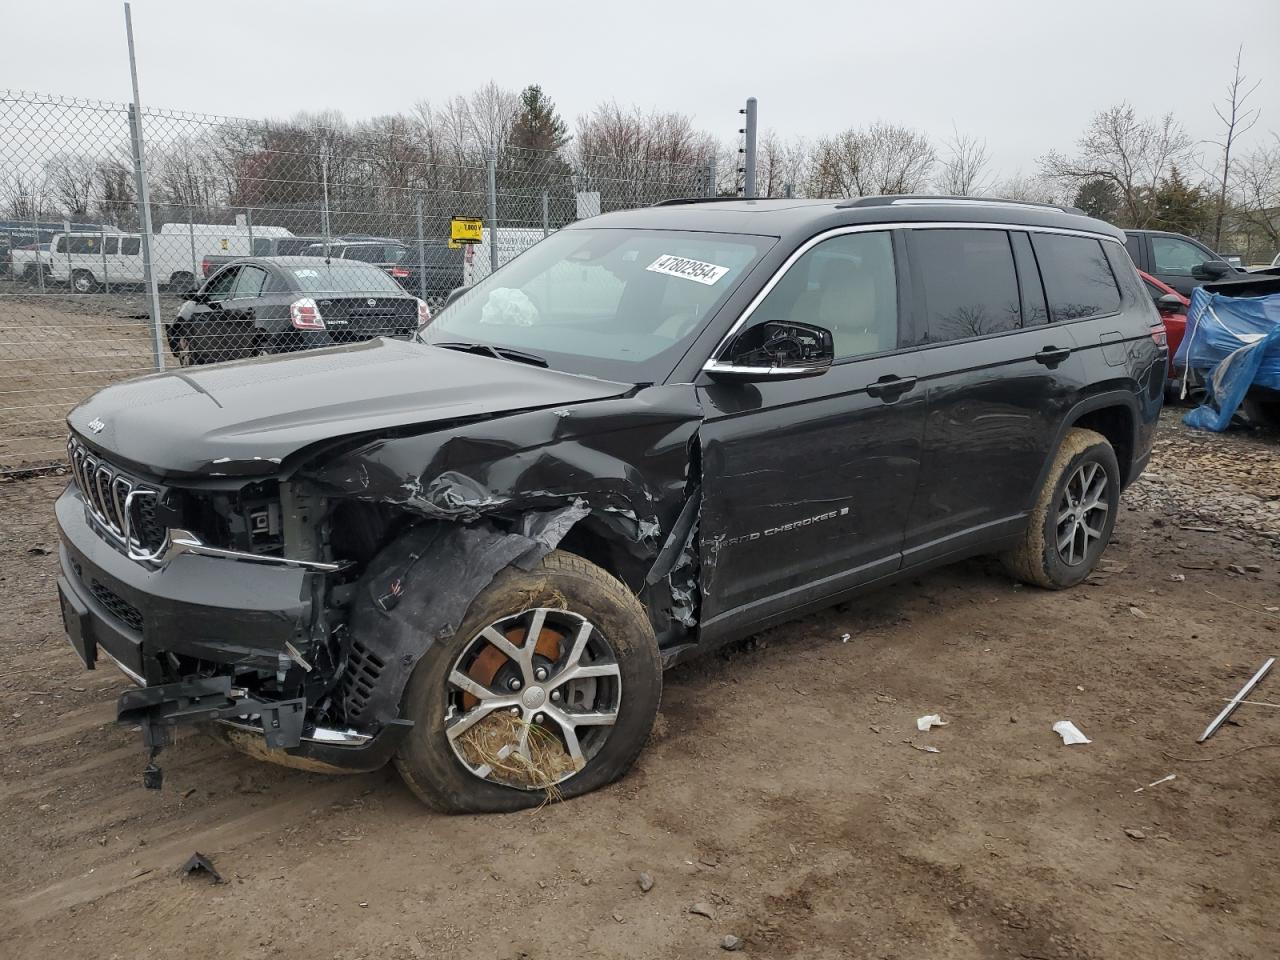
1212, 270
776, 350
454, 294
1169, 303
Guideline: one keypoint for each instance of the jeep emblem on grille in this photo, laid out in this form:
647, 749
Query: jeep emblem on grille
96, 425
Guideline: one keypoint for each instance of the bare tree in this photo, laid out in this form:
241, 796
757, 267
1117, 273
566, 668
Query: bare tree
780, 164
964, 168
1236, 120
25, 195
1133, 153
1032, 189
1257, 186
71, 178
882, 158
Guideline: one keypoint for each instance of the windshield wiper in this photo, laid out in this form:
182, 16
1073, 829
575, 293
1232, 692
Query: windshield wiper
500, 353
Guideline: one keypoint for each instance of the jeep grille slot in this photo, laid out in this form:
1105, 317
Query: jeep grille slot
106, 490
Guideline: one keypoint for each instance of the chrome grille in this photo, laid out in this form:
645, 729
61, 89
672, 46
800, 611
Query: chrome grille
106, 492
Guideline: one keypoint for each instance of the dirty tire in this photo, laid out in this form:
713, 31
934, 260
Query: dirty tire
1263, 413
82, 281
425, 759
1036, 559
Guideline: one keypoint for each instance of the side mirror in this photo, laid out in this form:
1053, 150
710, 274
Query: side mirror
1169, 303
454, 294
776, 350
1211, 270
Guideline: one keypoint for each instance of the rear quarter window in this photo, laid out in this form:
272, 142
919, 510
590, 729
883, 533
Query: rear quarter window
1078, 281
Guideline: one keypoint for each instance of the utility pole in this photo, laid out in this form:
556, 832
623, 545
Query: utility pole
144, 202
749, 150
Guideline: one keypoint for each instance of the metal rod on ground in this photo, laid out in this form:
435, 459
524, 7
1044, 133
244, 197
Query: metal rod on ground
749, 167
492, 163
546, 215
1221, 718
422, 256
144, 201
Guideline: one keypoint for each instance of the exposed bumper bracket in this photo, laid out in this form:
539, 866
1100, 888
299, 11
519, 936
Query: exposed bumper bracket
160, 708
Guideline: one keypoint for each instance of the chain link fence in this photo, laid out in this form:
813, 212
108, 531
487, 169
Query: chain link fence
88, 296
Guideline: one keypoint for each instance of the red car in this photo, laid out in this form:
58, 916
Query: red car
1173, 311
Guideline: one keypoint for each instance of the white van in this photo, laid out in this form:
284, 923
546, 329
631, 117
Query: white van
90, 261
180, 248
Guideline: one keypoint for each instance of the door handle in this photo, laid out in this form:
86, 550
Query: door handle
1052, 356
889, 388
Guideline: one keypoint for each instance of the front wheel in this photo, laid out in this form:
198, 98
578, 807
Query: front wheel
1073, 517
82, 281
548, 690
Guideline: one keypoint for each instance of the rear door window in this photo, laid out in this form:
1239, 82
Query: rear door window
249, 284
110, 244
129, 246
1077, 278
1035, 310
968, 282
220, 286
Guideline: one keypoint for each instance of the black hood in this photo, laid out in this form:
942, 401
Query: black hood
245, 418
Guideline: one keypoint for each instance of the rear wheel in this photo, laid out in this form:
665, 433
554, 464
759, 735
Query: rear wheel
548, 690
1074, 515
1263, 413
82, 281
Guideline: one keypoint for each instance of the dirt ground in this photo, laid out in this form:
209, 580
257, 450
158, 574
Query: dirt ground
56, 349
784, 789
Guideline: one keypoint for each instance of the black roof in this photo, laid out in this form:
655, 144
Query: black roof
788, 217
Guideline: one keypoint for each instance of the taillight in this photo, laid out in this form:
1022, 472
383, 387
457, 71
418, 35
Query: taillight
424, 314
400, 273
1161, 337
305, 315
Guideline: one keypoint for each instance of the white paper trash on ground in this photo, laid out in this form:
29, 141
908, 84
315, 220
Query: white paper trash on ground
932, 720
1069, 733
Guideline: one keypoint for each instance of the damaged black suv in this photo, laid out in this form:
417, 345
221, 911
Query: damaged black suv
652, 433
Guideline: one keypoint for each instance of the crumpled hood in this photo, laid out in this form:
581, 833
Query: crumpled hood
245, 418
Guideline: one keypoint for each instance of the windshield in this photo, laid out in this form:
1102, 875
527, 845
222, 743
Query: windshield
619, 304
343, 276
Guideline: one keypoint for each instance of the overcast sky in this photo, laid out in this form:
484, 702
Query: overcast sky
1025, 75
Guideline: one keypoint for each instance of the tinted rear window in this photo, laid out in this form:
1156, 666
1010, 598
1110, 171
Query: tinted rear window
970, 286
1077, 278
343, 276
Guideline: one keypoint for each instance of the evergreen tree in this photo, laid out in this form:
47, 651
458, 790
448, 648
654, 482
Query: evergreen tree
1181, 207
538, 126
1099, 198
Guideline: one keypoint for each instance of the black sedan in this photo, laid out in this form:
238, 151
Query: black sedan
262, 305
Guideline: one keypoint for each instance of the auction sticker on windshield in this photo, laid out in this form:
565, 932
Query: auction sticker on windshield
695, 270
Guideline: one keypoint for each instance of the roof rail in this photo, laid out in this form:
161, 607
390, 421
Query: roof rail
924, 199
679, 201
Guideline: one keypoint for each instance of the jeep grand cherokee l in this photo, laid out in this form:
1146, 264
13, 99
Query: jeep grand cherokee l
652, 433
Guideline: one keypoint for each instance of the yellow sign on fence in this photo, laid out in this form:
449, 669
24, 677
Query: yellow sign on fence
466, 230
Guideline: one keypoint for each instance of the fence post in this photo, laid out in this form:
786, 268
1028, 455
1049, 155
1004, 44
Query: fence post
144, 200
546, 215
324, 193
35, 235
492, 164
248, 222
749, 167
422, 255
106, 275
66, 232
191, 232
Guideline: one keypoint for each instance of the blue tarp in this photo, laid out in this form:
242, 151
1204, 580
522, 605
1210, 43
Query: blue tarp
1233, 343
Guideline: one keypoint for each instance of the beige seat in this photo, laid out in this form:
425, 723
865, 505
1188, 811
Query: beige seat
845, 303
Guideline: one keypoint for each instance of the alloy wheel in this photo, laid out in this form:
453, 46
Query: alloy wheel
1082, 513
532, 698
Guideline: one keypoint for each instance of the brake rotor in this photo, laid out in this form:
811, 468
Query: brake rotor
484, 669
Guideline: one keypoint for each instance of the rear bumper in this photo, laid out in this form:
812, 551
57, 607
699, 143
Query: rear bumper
214, 610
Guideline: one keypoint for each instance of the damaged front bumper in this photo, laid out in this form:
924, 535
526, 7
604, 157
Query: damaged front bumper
186, 631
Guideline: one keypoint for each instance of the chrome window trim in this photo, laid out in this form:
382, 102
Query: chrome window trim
714, 361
